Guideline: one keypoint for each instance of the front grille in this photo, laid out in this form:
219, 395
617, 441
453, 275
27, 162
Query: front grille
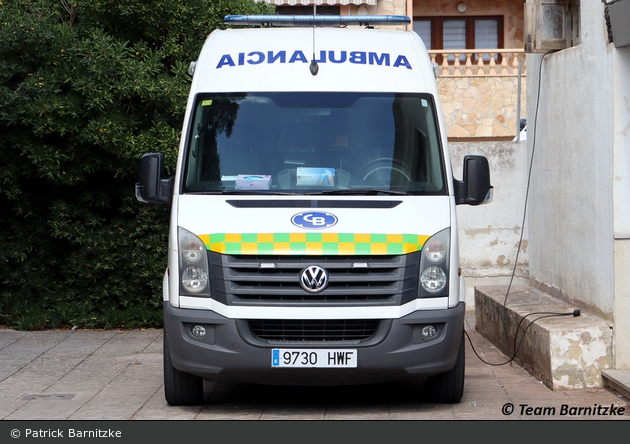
376, 280
341, 330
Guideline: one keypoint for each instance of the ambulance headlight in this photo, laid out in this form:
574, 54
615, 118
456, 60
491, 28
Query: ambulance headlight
193, 265
434, 265
194, 279
433, 279
435, 251
193, 251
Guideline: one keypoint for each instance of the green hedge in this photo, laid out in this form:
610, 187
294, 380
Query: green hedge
86, 88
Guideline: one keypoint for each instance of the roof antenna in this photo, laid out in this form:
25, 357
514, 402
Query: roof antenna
314, 66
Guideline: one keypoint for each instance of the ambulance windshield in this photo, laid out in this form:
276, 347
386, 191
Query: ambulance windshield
309, 143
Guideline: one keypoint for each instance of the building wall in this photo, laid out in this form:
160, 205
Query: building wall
571, 199
482, 107
512, 10
490, 234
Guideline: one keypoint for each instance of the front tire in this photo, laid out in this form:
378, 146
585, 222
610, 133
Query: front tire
180, 388
448, 387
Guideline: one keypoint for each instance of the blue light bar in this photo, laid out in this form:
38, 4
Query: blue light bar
316, 20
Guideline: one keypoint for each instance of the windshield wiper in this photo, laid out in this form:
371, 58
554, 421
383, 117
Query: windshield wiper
360, 192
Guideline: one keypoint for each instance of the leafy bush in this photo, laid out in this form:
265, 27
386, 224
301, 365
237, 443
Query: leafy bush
87, 88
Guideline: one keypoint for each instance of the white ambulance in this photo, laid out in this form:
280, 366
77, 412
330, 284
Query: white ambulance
313, 236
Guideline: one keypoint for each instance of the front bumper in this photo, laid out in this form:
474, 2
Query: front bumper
230, 351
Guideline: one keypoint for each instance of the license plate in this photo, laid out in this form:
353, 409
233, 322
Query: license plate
310, 358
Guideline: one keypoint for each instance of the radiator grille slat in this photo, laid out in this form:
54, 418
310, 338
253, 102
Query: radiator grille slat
352, 330
384, 280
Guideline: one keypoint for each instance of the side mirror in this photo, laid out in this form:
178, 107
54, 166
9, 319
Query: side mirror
151, 186
475, 188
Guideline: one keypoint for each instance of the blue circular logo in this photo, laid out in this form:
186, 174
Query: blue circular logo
314, 220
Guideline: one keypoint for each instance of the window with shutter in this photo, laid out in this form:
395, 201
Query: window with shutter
460, 33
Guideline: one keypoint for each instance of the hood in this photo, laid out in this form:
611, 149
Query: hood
362, 225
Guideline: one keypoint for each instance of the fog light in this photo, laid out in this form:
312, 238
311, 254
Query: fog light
198, 331
429, 331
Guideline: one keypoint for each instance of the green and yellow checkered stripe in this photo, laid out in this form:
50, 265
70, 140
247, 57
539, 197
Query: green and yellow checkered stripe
313, 243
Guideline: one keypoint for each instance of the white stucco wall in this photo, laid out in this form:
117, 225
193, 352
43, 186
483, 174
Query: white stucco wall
621, 134
489, 234
571, 198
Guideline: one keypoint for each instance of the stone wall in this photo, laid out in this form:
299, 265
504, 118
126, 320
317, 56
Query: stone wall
480, 107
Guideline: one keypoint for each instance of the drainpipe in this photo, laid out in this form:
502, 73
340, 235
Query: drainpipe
409, 4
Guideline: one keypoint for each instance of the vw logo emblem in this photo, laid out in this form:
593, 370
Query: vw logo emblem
314, 279
314, 220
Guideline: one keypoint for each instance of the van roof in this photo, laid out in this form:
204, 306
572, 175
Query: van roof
278, 59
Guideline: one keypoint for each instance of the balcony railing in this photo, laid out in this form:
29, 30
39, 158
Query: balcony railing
478, 62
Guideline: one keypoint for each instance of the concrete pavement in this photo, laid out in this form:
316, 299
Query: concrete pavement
117, 375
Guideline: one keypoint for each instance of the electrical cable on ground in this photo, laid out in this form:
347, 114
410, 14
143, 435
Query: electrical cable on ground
517, 348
